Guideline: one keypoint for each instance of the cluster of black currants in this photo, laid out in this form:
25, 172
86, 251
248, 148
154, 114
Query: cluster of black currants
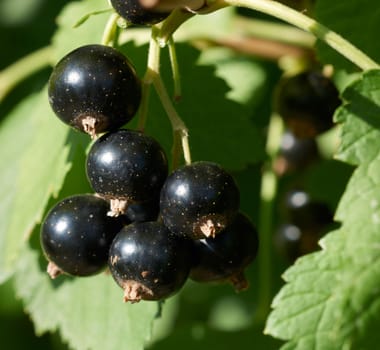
152, 229
307, 220
306, 102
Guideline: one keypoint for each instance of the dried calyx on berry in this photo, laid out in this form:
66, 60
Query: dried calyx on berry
125, 167
199, 200
224, 258
149, 262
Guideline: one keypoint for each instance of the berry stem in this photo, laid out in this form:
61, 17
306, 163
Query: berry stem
23, 68
171, 24
175, 69
269, 184
153, 68
177, 123
152, 76
109, 34
143, 113
302, 21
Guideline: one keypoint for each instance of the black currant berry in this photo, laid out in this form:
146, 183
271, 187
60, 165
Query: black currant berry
126, 166
307, 102
199, 200
295, 154
94, 89
225, 257
293, 242
134, 13
149, 262
307, 213
76, 235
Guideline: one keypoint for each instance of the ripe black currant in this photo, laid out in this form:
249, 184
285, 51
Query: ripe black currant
76, 235
149, 262
126, 166
307, 102
307, 213
94, 89
292, 242
134, 13
199, 200
225, 257
295, 154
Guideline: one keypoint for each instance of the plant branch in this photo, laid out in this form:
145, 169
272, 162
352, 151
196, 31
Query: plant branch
23, 68
272, 31
302, 21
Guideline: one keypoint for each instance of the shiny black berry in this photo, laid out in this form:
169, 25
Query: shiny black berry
307, 213
295, 154
224, 258
126, 166
134, 13
148, 262
307, 102
199, 200
76, 235
94, 89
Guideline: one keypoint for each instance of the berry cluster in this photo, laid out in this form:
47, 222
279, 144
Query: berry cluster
152, 229
306, 221
306, 102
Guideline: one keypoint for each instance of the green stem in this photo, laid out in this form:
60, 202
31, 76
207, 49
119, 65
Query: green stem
267, 199
152, 76
110, 30
175, 70
176, 122
269, 30
171, 24
23, 68
143, 112
300, 20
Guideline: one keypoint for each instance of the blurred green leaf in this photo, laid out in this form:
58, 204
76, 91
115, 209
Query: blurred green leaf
201, 337
68, 37
34, 162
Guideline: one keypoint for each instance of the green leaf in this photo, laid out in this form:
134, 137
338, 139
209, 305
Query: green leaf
68, 37
220, 128
34, 162
360, 118
88, 312
355, 20
331, 299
